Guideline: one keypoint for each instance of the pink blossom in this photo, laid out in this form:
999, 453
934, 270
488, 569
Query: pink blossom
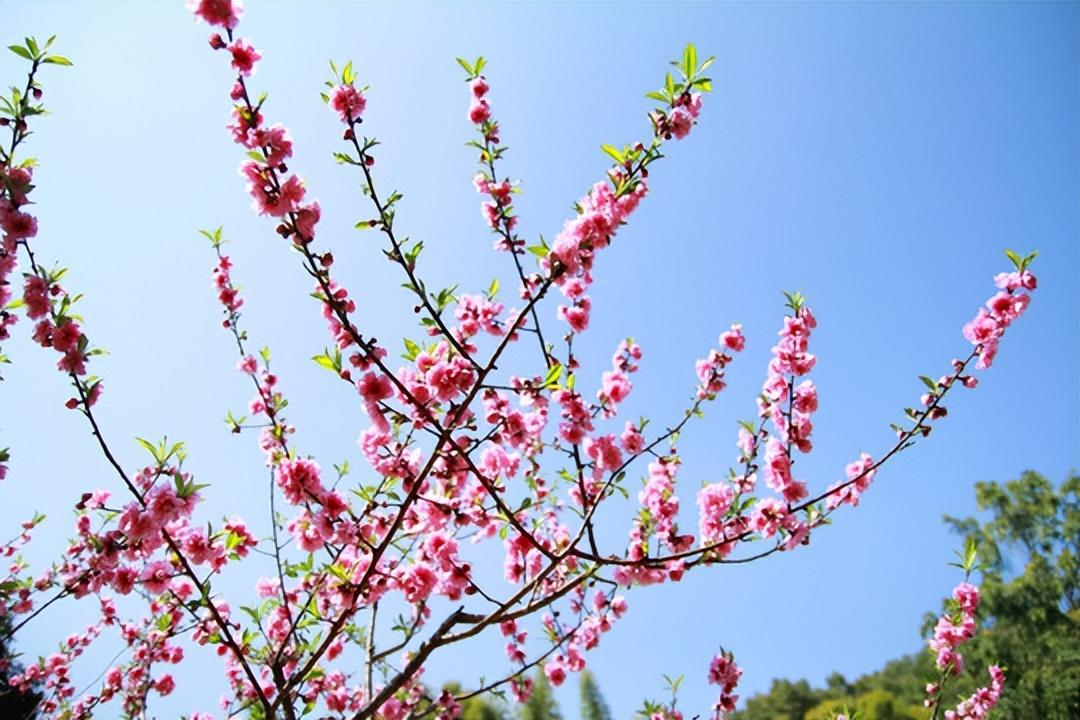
18, 225
306, 219
605, 452
476, 313
247, 364
633, 442
479, 111
982, 701
165, 685
299, 480
156, 575
375, 387
733, 339
478, 86
859, 473
225, 13
555, 669
36, 297
714, 502
967, 596
724, 672
768, 516
244, 56
348, 102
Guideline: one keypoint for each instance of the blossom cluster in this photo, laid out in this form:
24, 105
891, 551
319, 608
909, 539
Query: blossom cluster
15, 224
982, 701
574, 249
1013, 297
955, 628
724, 672
459, 451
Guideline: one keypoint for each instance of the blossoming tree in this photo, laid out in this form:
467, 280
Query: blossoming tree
463, 451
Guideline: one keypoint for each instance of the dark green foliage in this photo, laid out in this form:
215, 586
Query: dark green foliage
1031, 595
13, 704
1029, 543
480, 709
541, 704
593, 706
785, 700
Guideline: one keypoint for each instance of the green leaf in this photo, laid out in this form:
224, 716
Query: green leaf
690, 59
971, 555
57, 60
467, 66
412, 350
929, 382
614, 152
339, 572
325, 361
21, 51
150, 448
538, 250
553, 375
493, 288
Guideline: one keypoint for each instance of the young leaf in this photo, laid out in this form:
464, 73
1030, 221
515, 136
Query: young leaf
689, 60
553, 375
614, 152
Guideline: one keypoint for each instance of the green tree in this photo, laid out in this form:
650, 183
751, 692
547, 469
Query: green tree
14, 704
593, 706
1029, 541
1031, 595
785, 700
541, 704
481, 709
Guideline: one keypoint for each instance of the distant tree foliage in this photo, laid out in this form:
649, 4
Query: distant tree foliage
13, 704
1029, 542
541, 704
593, 706
481, 709
1031, 594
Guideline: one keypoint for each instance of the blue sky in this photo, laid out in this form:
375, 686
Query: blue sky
877, 156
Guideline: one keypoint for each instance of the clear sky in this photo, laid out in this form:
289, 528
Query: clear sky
877, 156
